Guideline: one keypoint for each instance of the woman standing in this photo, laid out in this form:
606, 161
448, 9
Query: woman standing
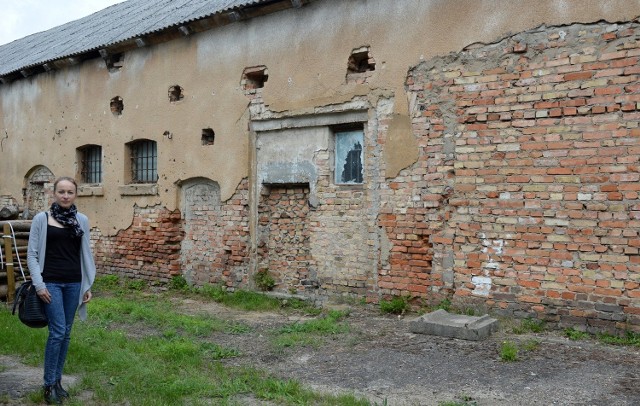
62, 270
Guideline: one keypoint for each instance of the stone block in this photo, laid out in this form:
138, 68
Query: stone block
442, 323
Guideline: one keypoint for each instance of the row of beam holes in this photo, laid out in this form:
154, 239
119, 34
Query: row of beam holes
360, 61
175, 95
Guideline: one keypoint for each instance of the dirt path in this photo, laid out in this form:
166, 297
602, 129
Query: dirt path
380, 359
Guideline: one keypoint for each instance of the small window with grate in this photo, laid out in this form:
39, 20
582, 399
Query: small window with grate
349, 157
144, 161
90, 157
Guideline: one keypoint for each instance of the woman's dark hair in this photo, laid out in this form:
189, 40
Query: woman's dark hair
67, 178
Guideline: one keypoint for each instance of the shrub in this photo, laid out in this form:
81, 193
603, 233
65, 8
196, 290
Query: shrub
178, 282
397, 305
508, 351
263, 280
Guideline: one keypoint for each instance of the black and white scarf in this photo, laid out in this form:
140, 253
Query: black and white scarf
67, 217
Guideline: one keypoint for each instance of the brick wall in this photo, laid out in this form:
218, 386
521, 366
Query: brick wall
284, 244
149, 249
537, 138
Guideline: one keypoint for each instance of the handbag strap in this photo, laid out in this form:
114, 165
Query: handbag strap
19, 294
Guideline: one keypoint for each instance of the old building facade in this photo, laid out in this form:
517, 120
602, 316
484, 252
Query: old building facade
459, 150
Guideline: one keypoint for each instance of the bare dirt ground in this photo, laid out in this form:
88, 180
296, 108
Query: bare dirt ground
381, 360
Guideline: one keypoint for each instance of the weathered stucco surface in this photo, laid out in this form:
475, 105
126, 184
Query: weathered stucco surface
46, 117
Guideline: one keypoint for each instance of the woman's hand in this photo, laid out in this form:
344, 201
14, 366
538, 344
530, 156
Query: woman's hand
87, 296
44, 295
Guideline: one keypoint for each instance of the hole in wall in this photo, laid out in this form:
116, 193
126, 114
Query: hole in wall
254, 78
208, 136
360, 65
117, 105
114, 62
176, 93
361, 61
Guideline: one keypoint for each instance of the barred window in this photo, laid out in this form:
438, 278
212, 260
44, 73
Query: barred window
90, 157
349, 157
144, 161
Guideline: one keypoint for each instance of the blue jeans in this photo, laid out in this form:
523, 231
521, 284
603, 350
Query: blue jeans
61, 312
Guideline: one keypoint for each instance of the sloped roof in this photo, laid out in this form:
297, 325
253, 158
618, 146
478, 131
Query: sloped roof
120, 22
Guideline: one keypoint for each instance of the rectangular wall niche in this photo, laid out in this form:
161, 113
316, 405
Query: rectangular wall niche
349, 156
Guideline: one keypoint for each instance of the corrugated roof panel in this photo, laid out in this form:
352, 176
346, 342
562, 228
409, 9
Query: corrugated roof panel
120, 22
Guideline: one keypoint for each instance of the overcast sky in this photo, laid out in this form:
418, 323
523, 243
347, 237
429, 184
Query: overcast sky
24, 17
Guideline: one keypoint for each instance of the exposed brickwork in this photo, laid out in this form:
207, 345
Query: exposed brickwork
543, 131
149, 249
523, 200
284, 244
214, 250
345, 235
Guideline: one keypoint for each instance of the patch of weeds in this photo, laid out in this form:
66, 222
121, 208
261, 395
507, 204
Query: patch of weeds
575, 335
629, 338
264, 281
508, 351
106, 283
298, 304
137, 285
445, 305
465, 400
296, 339
529, 326
215, 292
330, 324
254, 301
310, 332
178, 282
237, 328
469, 311
397, 305
531, 345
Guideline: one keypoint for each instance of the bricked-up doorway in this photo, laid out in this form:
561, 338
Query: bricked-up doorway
38, 188
203, 256
284, 241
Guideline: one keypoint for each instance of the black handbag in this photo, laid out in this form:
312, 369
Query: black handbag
30, 307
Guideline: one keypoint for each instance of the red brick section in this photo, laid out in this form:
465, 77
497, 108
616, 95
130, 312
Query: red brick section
283, 248
538, 137
149, 249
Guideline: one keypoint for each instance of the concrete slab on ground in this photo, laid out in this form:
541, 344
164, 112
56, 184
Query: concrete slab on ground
444, 324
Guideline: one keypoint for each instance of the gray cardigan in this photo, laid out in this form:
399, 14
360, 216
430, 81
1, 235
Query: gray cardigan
38, 247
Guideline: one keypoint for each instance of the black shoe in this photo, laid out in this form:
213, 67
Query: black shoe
60, 390
51, 395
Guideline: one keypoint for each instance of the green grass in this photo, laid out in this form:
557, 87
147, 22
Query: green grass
629, 338
253, 301
529, 326
136, 348
311, 332
465, 400
397, 305
508, 351
574, 334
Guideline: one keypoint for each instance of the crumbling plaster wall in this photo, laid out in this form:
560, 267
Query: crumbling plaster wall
46, 117
399, 33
